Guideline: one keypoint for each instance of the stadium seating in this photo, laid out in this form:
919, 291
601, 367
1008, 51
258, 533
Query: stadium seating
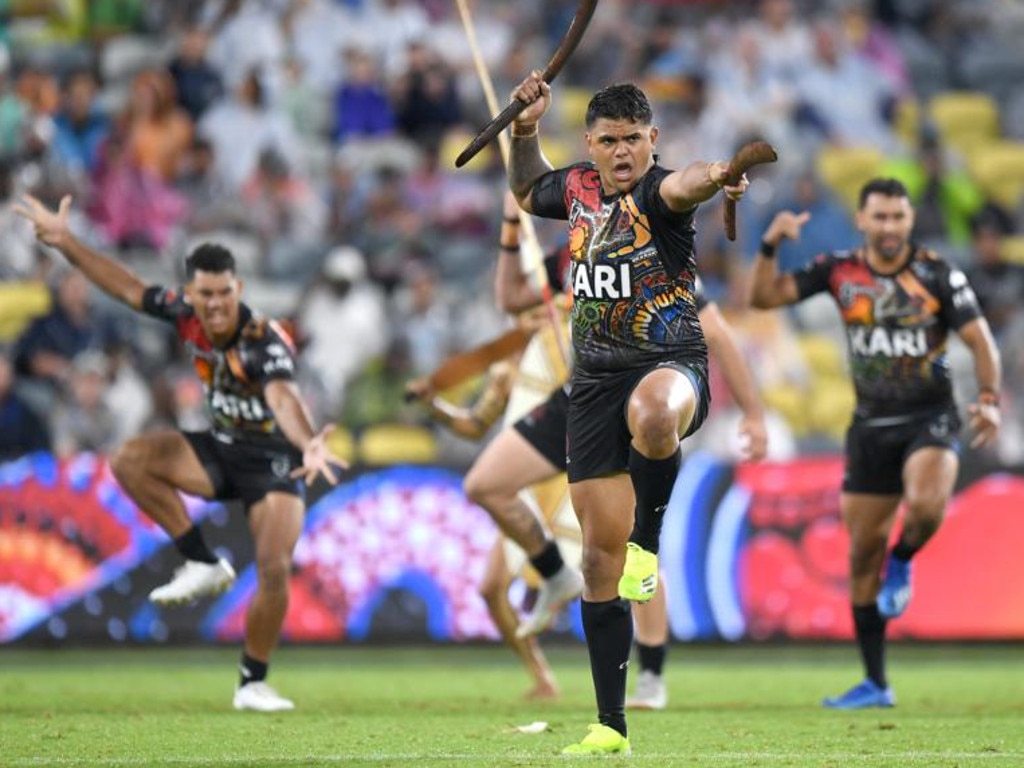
386, 444
845, 170
965, 119
998, 168
20, 302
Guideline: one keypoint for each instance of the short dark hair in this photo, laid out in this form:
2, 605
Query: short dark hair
623, 101
879, 186
209, 257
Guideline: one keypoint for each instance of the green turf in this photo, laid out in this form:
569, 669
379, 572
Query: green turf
425, 708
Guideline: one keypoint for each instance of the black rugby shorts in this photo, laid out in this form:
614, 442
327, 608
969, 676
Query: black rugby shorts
598, 433
877, 448
245, 471
544, 427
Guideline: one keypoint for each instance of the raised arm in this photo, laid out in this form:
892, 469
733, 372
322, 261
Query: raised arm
473, 422
526, 162
768, 287
985, 417
102, 271
722, 344
513, 290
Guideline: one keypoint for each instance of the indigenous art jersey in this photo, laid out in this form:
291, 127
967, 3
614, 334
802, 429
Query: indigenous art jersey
233, 377
896, 326
633, 270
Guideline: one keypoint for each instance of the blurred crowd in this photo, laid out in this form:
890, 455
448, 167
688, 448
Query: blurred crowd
316, 139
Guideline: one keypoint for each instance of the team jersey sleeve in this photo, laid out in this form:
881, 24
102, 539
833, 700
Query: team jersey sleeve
274, 357
167, 304
815, 277
959, 302
547, 198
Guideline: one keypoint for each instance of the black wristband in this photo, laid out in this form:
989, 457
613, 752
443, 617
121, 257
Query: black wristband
767, 250
509, 248
511, 219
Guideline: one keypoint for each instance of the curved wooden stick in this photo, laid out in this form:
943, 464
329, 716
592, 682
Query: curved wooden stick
565, 49
530, 245
749, 155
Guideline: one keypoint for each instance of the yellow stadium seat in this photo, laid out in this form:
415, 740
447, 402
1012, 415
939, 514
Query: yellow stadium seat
907, 121
998, 168
571, 104
830, 406
386, 444
789, 402
1012, 249
452, 145
846, 169
822, 354
965, 119
20, 303
342, 444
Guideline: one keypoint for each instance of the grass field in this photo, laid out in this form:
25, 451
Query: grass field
434, 707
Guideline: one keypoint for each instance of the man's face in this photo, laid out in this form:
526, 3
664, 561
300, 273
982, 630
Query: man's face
215, 298
886, 223
622, 150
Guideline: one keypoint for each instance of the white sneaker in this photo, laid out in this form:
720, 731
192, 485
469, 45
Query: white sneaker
554, 593
650, 692
260, 697
194, 580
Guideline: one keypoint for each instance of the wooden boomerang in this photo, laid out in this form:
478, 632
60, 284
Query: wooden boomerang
565, 49
749, 155
461, 366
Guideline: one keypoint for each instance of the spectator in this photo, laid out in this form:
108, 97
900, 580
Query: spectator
998, 285
239, 128
198, 83
21, 429
45, 350
426, 98
82, 420
842, 97
424, 318
288, 217
342, 298
944, 198
135, 204
81, 127
361, 107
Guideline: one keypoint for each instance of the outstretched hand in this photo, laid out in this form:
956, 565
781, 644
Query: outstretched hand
985, 419
317, 459
51, 226
786, 226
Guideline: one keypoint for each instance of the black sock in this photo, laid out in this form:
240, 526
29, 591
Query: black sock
870, 628
251, 670
609, 630
549, 561
652, 657
903, 551
652, 482
193, 547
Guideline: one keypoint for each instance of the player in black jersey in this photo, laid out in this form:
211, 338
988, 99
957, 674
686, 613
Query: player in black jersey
898, 301
261, 443
640, 382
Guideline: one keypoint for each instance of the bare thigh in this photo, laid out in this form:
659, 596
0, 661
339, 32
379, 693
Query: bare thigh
508, 464
167, 456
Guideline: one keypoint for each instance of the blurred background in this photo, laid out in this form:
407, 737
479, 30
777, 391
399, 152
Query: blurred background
316, 139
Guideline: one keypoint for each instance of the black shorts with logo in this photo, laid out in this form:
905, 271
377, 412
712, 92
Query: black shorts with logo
877, 448
544, 427
245, 471
598, 433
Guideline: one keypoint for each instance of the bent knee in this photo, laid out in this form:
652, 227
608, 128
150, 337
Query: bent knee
129, 459
483, 491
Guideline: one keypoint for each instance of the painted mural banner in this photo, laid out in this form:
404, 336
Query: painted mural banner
754, 552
